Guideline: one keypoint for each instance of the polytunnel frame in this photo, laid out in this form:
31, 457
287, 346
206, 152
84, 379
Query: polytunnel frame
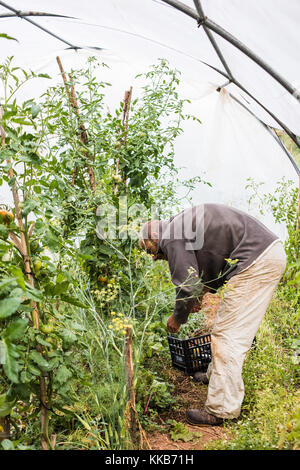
208, 26
24, 16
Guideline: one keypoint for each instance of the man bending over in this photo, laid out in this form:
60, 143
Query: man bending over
209, 246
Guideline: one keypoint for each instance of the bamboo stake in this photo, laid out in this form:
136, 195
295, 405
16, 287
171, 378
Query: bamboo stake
133, 423
83, 134
125, 120
126, 108
21, 245
63, 75
83, 131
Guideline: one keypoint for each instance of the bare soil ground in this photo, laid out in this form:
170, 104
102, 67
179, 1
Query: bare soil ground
189, 395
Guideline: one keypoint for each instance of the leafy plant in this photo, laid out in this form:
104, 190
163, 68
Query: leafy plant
62, 157
283, 204
180, 432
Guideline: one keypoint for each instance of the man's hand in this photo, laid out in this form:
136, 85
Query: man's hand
173, 325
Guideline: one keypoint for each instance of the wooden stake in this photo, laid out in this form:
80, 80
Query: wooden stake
63, 75
53, 440
83, 131
126, 107
133, 422
125, 120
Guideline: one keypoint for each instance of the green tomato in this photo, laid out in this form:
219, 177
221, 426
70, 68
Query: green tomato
117, 178
34, 246
37, 265
48, 328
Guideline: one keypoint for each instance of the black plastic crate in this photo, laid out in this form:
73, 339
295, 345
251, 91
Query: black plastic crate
192, 354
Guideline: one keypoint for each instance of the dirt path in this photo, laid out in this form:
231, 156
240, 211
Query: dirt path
189, 395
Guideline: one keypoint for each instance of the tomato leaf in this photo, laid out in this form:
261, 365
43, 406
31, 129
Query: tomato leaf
10, 364
5, 405
15, 329
35, 109
9, 305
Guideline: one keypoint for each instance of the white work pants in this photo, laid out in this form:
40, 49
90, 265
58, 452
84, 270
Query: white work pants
241, 311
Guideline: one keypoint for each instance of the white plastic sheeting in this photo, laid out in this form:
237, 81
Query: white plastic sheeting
229, 130
142, 30
230, 145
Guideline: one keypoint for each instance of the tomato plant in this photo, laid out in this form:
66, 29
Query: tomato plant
62, 158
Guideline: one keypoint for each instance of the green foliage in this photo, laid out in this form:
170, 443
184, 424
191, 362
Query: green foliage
180, 432
270, 412
77, 351
283, 205
5, 36
5, 405
154, 390
196, 323
78, 283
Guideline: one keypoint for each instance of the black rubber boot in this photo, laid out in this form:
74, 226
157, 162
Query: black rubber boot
202, 418
200, 377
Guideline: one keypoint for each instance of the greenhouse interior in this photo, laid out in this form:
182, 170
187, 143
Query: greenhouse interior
149, 227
